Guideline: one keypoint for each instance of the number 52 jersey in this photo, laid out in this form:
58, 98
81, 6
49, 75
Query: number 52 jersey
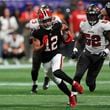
94, 35
54, 39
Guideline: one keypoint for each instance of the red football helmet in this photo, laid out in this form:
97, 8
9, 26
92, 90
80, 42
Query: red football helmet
45, 17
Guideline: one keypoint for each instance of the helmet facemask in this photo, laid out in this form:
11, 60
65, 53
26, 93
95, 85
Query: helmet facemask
46, 23
93, 14
92, 19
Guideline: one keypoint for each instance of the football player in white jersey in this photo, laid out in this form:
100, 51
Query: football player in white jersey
96, 34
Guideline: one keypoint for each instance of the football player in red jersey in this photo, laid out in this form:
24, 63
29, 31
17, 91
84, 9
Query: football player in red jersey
36, 59
97, 46
46, 41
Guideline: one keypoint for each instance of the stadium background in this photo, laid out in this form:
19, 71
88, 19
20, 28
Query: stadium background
20, 4
18, 7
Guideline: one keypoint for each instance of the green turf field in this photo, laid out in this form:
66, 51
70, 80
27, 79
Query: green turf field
15, 86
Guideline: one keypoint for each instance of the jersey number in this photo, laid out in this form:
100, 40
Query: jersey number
53, 44
93, 40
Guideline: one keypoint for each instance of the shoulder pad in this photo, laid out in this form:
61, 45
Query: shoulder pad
34, 24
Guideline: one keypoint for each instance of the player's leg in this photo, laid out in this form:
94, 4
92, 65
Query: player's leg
55, 79
56, 68
92, 74
36, 62
62, 75
82, 65
46, 80
61, 85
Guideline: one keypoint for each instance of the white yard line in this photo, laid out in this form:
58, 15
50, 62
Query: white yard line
39, 83
91, 105
85, 96
21, 66
21, 84
13, 66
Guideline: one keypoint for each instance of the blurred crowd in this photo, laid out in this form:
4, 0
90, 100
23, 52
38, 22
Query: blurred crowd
15, 32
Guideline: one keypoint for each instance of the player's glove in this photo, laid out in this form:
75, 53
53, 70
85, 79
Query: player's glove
74, 53
45, 40
104, 53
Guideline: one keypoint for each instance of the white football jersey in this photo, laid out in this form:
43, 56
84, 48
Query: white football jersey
95, 40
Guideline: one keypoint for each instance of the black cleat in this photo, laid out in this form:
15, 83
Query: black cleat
92, 88
34, 89
46, 83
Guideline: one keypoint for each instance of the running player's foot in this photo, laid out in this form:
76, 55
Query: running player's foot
78, 87
34, 89
75, 95
46, 83
72, 101
92, 88
75, 99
